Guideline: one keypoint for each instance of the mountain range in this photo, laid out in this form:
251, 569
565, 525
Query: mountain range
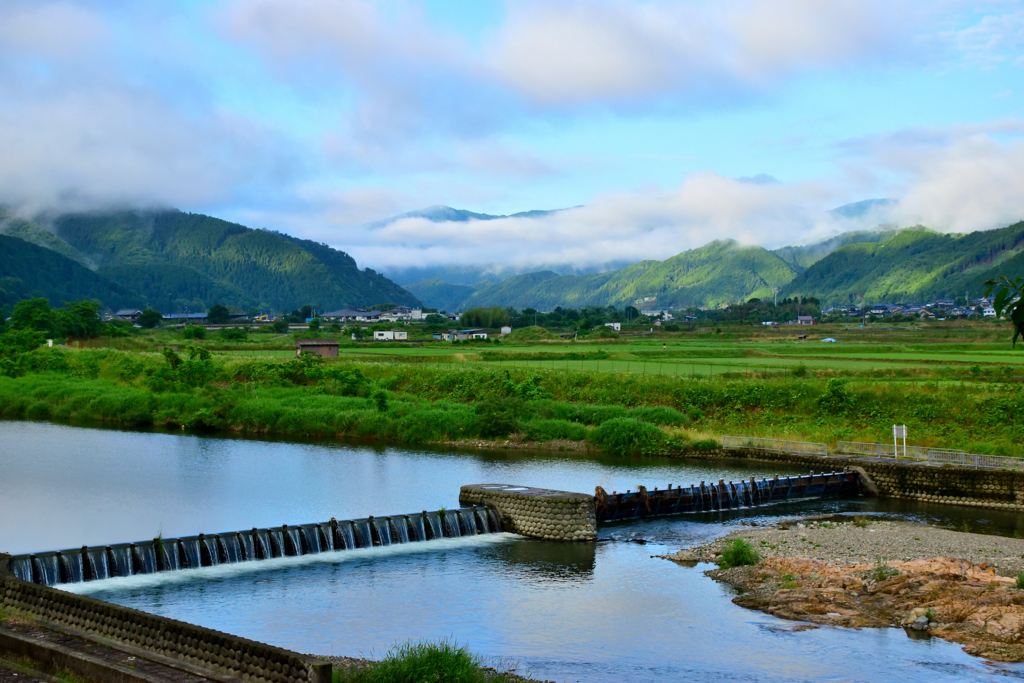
885, 265
173, 261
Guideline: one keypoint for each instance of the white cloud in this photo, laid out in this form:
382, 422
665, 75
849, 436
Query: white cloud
574, 52
77, 133
954, 179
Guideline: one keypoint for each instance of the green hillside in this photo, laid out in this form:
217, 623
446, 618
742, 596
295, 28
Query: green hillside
28, 270
914, 265
442, 295
803, 257
181, 260
718, 273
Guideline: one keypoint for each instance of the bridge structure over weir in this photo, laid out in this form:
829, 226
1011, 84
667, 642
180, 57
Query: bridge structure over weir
96, 639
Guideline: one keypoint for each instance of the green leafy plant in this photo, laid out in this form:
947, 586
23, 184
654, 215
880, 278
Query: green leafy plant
627, 435
883, 571
860, 521
1009, 301
1020, 581
740, 553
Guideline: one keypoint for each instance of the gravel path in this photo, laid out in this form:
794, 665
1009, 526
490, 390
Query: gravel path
851, 543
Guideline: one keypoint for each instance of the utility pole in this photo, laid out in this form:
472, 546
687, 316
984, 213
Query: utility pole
776, 297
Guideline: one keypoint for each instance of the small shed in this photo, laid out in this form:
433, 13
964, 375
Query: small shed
616, 327
325, 348
506, 329
804, 320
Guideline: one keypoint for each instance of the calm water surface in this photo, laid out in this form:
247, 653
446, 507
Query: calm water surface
565, 612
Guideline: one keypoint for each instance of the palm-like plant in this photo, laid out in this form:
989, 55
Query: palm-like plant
1009, 300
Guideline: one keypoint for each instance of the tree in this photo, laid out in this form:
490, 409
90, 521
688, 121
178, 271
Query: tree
435, 319
34, 314
1009, 301
218, 314
485, 317
280, 326
150, 318
80, 319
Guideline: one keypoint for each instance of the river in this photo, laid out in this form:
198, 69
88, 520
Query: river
565, 612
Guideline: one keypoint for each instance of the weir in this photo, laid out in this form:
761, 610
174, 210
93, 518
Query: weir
207, 550
721, 496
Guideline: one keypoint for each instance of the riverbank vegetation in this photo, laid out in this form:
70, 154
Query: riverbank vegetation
425, 662
459, 400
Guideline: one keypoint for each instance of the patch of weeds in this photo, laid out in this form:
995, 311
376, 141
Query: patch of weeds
964, 528
789, 582
424, 662
882, 571
739, 554
917, 538
860, 521
930, 613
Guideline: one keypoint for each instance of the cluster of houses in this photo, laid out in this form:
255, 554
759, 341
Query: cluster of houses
357, 315
940, 308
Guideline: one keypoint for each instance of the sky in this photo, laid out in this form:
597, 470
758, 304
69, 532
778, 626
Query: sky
657, 126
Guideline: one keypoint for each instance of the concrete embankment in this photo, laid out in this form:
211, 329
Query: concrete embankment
953, 485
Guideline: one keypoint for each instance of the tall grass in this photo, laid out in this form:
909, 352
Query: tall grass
424, 402
440, 662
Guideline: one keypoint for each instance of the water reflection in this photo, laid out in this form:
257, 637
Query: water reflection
567, 612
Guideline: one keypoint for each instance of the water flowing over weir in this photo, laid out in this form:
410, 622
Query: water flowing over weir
721, 496
194, 552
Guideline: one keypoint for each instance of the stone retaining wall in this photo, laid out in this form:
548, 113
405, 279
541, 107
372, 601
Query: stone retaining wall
227, 656
987, 488
541, 513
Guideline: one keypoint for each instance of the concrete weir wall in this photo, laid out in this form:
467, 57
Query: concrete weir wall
985, 488
541, 513
192, 649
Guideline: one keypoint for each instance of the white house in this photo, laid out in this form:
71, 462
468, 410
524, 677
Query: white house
479, 335
505, 329
990, 312
804, 320
390, 335
615, 326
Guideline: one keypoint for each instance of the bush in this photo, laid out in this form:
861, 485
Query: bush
1020, 581
194, 332
835, 400
739, 554
233, 334
706, 445
550, 430
497, 417
279, 326
627, 435
439, 662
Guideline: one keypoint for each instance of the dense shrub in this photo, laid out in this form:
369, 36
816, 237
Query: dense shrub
194, 332
835, 399
740, 553
439, 662
550, 430
627, 435
498, 417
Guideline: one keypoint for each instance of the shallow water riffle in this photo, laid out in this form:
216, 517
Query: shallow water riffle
563, 611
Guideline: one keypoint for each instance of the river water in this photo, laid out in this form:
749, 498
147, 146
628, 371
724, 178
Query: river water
564, 612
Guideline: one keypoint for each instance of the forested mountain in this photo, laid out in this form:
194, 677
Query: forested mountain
803, 257
28, 270
175, 260
914, 265
717, 273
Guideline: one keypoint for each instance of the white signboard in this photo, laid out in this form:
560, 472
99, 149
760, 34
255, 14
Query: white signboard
899, 431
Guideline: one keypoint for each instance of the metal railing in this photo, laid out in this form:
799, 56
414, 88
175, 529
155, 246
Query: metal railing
934, 456
775, 445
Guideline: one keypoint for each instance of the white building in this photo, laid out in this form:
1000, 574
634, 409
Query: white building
506, 329
390, 335
615, 326
990, 312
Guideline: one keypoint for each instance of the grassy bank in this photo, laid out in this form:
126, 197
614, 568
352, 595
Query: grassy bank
419, 403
